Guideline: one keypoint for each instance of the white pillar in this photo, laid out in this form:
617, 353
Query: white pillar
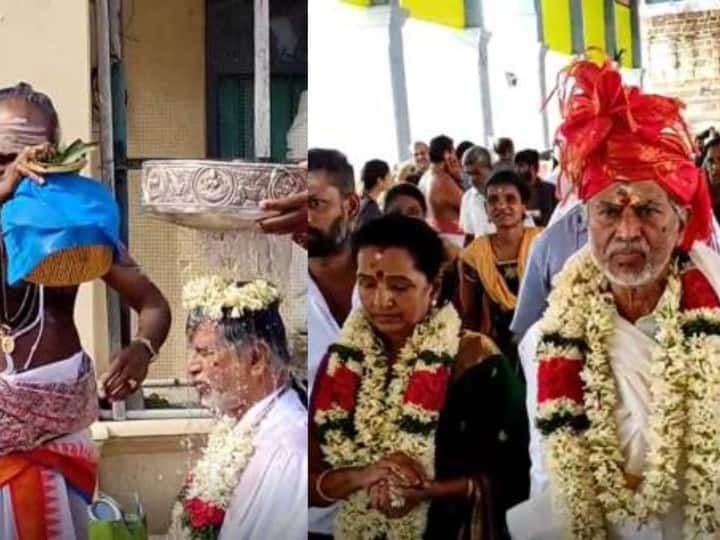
262, 79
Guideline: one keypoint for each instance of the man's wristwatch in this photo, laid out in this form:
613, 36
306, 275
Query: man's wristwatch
148, 345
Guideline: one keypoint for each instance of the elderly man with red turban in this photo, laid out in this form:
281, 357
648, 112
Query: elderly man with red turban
627, 389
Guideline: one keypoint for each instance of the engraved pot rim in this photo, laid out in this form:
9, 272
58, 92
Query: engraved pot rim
215, 194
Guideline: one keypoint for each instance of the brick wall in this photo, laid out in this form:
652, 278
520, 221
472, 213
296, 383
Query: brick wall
681, 57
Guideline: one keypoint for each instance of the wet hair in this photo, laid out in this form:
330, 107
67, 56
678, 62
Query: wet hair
438, 146
408, 190
336, 165
372, 172
412, 234
475, 154
462, 148
503, 146
507, 177
528, 157
264, 325
24, 92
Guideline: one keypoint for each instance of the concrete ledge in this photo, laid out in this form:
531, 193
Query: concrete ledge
150, 436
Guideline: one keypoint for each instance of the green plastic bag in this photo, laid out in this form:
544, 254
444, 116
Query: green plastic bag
131, 528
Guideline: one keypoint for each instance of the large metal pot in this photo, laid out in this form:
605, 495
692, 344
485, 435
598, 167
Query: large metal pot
215, 195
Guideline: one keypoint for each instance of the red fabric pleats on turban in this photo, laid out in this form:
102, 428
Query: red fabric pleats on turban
614, 133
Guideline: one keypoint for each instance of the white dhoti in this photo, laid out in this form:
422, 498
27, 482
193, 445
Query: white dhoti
631, 354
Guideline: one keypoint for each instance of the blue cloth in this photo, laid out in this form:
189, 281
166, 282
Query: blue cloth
68, 211
551, 249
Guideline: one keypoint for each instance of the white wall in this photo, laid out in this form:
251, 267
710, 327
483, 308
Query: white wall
350, 95
351, 98
350, 92
442, 81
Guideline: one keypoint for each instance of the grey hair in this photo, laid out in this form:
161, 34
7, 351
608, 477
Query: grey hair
681, 211
264, 326
474, 154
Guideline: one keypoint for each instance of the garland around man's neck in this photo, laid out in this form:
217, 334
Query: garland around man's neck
577, 400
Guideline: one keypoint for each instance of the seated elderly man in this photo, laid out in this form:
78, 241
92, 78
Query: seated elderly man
628, 377
251, 481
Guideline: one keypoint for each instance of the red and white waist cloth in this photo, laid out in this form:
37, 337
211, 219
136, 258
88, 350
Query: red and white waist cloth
48, 461
449, 229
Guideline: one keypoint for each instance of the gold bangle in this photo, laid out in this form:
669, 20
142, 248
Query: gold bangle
318, 488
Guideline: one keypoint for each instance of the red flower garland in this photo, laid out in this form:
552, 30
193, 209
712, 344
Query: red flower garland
697, 291
202, 514
427, 389
559, 378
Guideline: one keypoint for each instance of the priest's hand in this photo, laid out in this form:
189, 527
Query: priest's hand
17, 169
128, 370
293, 218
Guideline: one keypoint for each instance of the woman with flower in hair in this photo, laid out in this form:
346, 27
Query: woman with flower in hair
418, 430
251, 480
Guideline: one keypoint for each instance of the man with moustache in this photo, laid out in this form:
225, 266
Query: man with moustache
255, 460
421, 157
628, 363
333, 208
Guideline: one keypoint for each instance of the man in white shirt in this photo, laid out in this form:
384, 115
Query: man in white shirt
473, 216
255, 461
333, 210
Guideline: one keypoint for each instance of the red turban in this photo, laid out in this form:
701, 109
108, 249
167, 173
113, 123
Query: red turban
614, 133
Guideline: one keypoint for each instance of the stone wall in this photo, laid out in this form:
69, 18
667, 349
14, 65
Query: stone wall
681, 56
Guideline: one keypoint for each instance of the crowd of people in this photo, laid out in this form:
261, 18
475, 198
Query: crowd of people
465, 315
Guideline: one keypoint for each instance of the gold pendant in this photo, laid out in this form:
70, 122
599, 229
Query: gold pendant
7, 343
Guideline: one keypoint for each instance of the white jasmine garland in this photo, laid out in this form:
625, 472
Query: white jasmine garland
377, 419
587, 467
218, 471
214, 295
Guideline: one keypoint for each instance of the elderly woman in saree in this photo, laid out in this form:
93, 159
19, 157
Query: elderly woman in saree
418, 430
